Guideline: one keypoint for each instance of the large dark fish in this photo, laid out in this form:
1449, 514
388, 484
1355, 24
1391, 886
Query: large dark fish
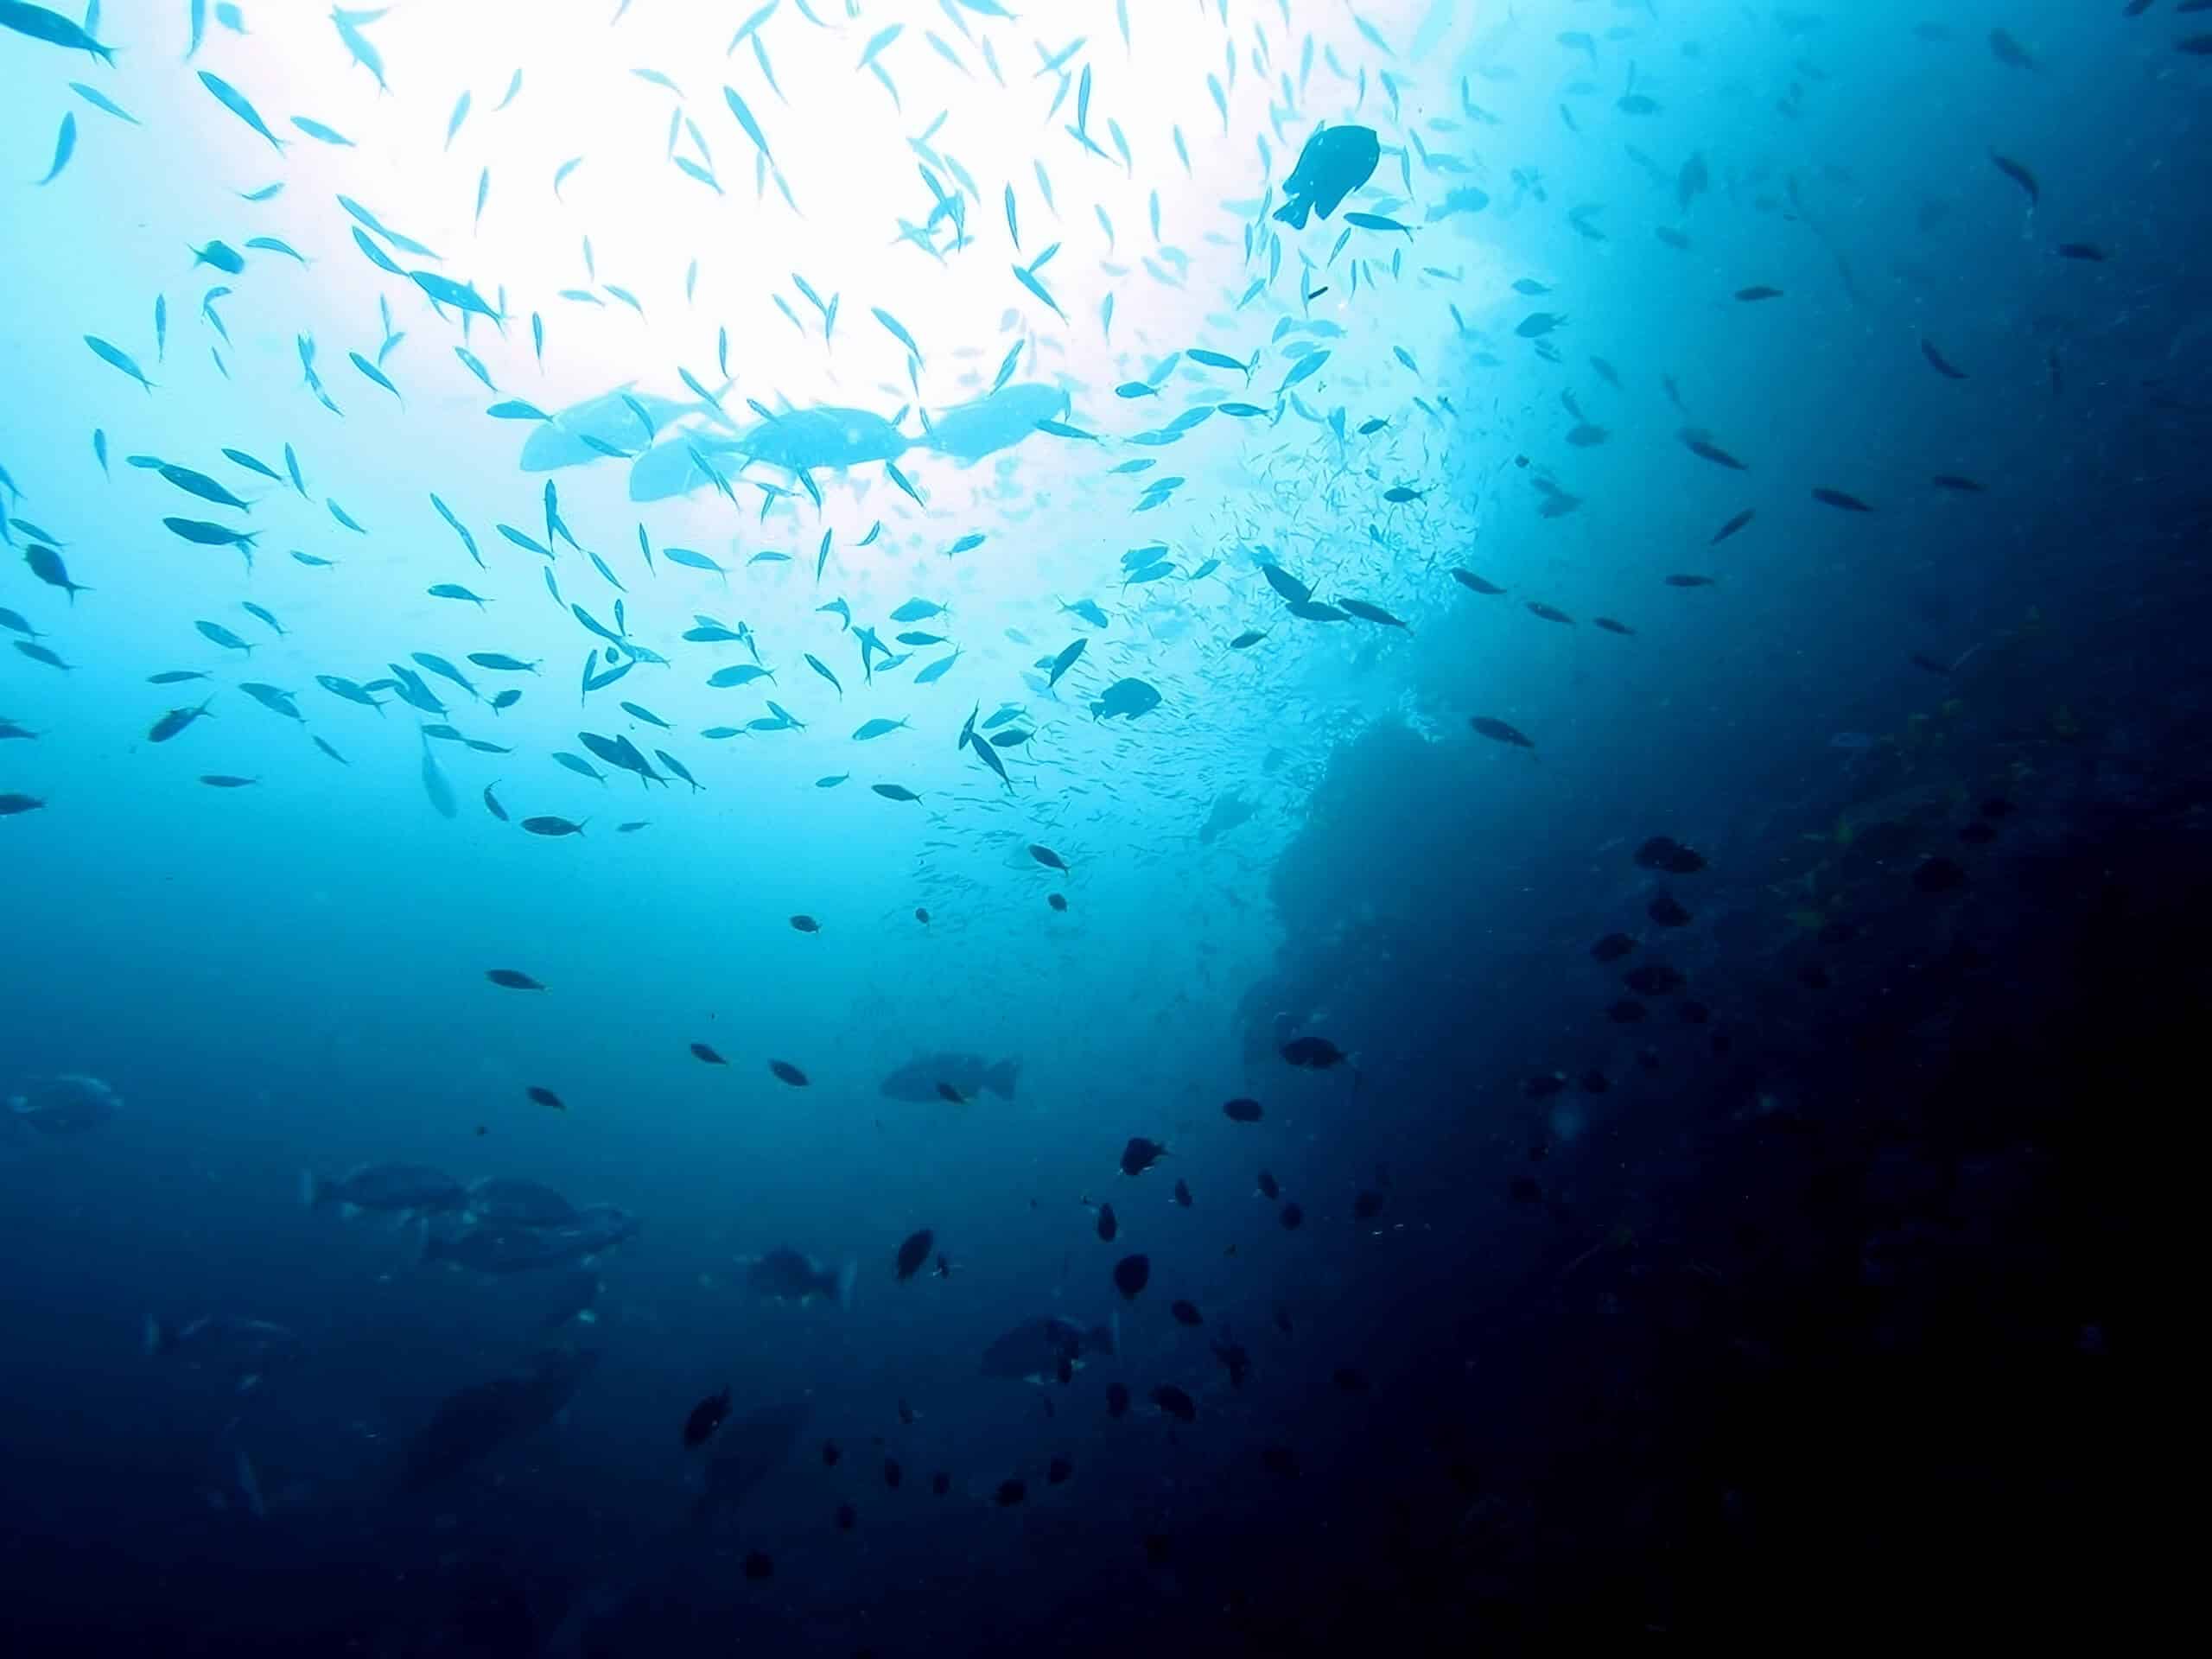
1228, 811
475, 1422
622, 420
747, 1450
1499, 732
499, 1246
2019, 175
1335, 162
998, 421
787, 1275
919, 1079
69, 1104
1036, 1350
1126, 697
824, 438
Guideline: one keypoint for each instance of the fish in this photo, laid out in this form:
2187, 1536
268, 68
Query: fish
64, 145
1065, 660
704, 1419
913, 1251
1706, 449
1291, 588
101, 100
1333, 163
322, 133
72, 1102
747, 1449
224, 258
2019, 175
369, 372
785, 1275
473, 1422
238, 104
435, 786
921, 1078
1048, 1349
39, 653
404, 1189
1938, 361
246, 1348
2009, 52
1127, 698
273, 698
116, 358
1499, 732
40, 24
47, 565
1369, 612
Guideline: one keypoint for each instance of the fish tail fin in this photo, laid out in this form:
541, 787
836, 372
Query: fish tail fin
849, 1278
158, 1338
1292, 213
314, 1191
1000, 1079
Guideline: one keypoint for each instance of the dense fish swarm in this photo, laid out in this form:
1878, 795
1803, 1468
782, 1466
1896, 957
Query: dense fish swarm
1329, 542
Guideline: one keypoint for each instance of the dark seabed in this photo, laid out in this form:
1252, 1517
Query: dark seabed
1384, 829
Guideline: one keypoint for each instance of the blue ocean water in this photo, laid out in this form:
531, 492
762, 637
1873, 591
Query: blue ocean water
1516, 691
